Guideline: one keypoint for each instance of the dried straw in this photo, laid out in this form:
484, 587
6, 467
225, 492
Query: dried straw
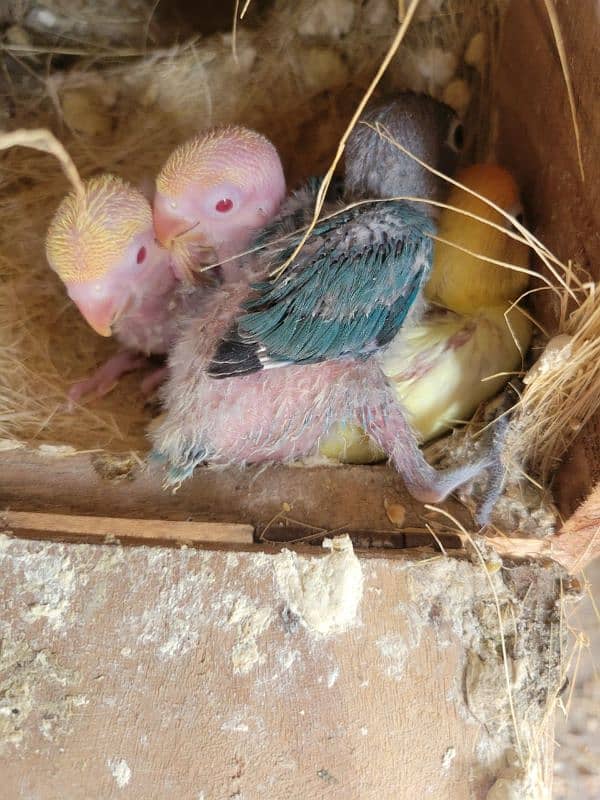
146, 102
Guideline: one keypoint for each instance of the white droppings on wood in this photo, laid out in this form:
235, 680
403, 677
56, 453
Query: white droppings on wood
235, 725
35, 690
120, 771
332, 677
325, 593
48, 580
251, 622
288, 657
448, 758
173, 620
396, 647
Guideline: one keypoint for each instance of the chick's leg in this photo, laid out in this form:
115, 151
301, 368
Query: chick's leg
105, 378
152, 381
392, 432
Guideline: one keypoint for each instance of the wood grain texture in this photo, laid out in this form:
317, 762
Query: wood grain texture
89, 529
98, 530
119, 677
351, 497
536, 141
578, 541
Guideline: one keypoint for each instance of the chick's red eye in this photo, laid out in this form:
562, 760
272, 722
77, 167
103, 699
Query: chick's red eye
141, 255
224, 205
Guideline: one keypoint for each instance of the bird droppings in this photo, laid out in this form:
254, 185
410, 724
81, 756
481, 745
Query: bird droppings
48, 578
332, 677
120, 771
287, 658
116, 466
34, 693
324, 593
448, 758
172, 622
203, 618
250, 622
395, 648
290, 620
449, 597
326, 776
235, 725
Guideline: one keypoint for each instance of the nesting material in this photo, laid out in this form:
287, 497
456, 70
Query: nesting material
561, 390
126, 116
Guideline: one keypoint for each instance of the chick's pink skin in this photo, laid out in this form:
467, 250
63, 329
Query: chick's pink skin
279, 415
131, 300
136, 302
214, 193
107, 234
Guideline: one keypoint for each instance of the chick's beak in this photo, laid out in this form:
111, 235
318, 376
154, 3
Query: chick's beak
101, 317
169, 223
99, 313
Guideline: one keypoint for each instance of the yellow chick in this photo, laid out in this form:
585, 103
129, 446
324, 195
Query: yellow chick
458, 354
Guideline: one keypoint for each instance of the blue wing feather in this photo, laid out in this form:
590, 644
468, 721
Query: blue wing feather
346, 294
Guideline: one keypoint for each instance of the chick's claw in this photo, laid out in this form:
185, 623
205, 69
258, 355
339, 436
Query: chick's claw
393, 433
497, 472
104, 379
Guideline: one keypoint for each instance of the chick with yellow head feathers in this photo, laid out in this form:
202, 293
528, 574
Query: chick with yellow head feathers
213, 194
101, 244
461, 351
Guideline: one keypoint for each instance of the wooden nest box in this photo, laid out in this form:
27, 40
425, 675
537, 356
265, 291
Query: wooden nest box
183, 672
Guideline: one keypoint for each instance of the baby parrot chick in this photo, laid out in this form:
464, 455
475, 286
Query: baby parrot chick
463, 349
213, 194
102, 246
265, 384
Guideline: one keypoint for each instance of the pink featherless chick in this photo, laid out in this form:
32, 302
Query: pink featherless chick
103, 245
213, 194
260, 376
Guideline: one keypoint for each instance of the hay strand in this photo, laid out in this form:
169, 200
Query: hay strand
564, 63
325, 183
45, 141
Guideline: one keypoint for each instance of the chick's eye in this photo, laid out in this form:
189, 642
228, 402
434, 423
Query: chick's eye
457, 137
520, 217
224, 205
141, 255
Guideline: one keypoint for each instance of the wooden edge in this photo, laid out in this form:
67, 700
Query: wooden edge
104, 530
578, 541
80, 529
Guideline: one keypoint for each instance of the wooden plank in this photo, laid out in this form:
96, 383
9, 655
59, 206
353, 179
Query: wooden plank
142, 531
536, 141
150, 673
571, 550
578, 541
330, 497
100, 530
